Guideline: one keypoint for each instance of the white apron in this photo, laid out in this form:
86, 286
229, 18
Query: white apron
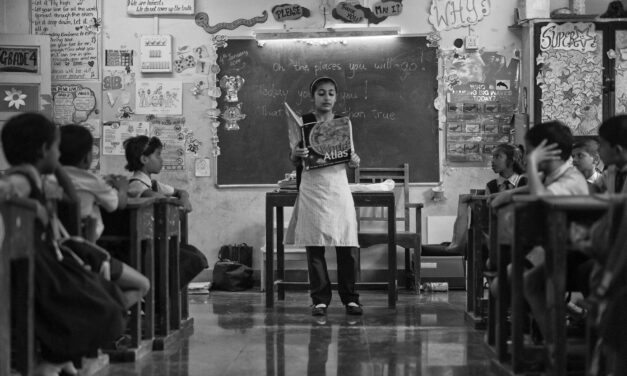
324, 214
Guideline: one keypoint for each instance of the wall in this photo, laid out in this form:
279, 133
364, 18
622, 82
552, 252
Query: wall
223, 216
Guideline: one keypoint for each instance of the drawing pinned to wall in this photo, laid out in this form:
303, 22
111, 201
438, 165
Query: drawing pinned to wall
115, 78
214, 138
231, 115
115, 132
119, 58
192, 144
170, 132
451, 14
572, 96
15, 98
287, 12
159, 97
232, 84
125, 112
202, 20
73, 103
202, 167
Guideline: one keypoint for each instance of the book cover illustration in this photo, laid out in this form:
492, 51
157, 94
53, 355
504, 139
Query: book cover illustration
329, 142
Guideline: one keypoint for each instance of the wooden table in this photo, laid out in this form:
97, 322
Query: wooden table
134, 225
17, 265
278, 200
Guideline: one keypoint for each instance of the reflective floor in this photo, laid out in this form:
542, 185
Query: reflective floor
234, 334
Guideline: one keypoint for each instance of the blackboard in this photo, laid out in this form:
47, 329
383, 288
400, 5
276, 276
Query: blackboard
386, 86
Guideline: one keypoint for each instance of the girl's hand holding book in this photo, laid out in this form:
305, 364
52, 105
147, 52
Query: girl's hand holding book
355, 160
299, 152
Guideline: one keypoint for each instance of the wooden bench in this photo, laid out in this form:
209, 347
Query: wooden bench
17, 323
133, 229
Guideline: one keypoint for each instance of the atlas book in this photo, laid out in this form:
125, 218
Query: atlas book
329, 142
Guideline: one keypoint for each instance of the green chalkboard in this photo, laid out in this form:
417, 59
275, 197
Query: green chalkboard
386, 86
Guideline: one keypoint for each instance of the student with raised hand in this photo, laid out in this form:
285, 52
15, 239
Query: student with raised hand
143, 157
324, 214
71, 320
94, 192
549, 147
586, 159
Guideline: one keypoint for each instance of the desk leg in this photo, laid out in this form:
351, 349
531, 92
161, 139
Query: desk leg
280, 254
174, 287
470, 272
555, 291
517, 297
149, 271
501, 301
269, 255
162, 286
391, 257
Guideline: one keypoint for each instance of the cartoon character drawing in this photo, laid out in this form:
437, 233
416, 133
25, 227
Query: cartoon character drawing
231, 84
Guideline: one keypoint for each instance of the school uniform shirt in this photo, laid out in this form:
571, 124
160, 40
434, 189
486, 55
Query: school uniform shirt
566, 180
94, 192
140, 182
614, 179
501, 184
324, 214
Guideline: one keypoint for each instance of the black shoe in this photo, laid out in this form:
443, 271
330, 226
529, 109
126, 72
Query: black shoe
354, 309
319, 309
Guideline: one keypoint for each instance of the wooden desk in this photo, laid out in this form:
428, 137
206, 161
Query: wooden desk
560, 211
135, 226
479, 223
278, 200
17, 285
520, 227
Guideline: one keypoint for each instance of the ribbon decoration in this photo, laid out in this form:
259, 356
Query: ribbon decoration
202, 20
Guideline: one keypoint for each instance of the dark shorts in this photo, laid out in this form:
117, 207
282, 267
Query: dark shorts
578, 269
116, 269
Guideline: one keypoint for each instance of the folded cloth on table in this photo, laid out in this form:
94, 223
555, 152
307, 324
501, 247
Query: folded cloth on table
386, 185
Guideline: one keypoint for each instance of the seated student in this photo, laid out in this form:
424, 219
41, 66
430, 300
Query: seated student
549, 147
507, 162
76, 156
613, 153
143, 156
586, 159
31, 146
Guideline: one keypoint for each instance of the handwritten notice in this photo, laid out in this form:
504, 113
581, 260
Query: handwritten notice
451, 14
73, 26
73, 103
147, 7
569, 36
20, 59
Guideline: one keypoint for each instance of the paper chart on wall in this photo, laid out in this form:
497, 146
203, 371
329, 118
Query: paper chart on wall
74, 28
170, 132
116, 132
159, 97
76, 103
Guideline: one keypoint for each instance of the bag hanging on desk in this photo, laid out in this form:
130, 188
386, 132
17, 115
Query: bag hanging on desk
231, 276
242, 253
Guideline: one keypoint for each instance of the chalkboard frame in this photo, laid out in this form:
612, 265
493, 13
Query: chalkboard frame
436, 159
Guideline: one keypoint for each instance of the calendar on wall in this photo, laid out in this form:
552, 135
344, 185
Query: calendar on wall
156, 53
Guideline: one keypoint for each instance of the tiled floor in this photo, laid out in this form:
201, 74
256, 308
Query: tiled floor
234, 334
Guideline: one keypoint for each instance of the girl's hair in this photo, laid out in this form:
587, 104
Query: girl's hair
514, 156
137, 146
24, 135
76, 143
319, 81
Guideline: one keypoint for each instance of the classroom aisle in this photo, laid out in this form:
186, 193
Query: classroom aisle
235, 335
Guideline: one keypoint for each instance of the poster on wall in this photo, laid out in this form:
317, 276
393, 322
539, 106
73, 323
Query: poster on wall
76, 104
572, 96
114, 133
149, 7
620, 85
451, 14
74, 29
481, 98
170, 132
159, 97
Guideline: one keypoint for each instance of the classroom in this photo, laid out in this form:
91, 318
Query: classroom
463, 157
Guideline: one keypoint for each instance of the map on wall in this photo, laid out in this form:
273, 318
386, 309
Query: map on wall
74, 28
572, 96
481, 97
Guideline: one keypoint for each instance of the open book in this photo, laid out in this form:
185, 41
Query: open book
329, 142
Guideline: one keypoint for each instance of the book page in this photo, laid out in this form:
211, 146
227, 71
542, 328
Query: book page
294, 126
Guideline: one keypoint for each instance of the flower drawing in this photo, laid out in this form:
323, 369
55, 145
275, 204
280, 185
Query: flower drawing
15, 98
